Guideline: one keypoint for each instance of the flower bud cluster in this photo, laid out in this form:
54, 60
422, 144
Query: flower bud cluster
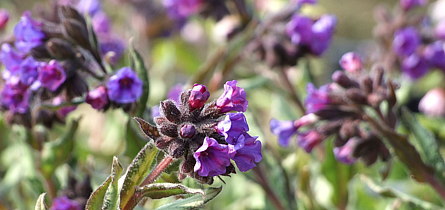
338, 109
207, 137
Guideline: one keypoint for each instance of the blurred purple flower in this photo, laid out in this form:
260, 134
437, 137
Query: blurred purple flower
284, 130
306, 1
344, 153
410, 4
51, 75
435, 54
233, 98
4, 18
179, 9
299, 29
90, 7
98, 98
10, 58
28, 33
316, 98
232, 126
198, 96
211, 158
15, 97
125, 86
101, 23
308, 140
246, 156
415, 66
28, 71
64, 203
112, 48
322, 30
406, 41
351, 62
440, 30
175, 92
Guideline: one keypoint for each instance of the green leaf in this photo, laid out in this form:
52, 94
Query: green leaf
425, 143
97, 197
40, 204
192, 202
137, 64
111, 201
136, 172
57, 152
393, 193
162, 190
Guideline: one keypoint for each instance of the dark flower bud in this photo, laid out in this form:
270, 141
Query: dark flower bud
356, 96
170, 111
187, 131
67, 12
77, 32
76, 86
169, 129
40, 52
333, 113
348, 129
343, 80
60, 49
374, 99
366, 84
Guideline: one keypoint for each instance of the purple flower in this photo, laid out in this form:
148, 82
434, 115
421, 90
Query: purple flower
51, 75
299, 30
406, 41
4, 18
124, 86
246, 156
10, 58
351, 62
409, 4
233, 125
64, 203
211, 158
344, 153
317, 98
435, 54
322, 30
198, 96
15, 97
284, 130
90, 7
308, 140
101, 23
29, 71
440, 30
63, 111
28, 33
306, 1
98, 98
179, 9
187, 131
233, 98
175, 92
415, 66
112, 48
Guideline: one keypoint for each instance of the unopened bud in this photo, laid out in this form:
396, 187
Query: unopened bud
343, 80
60, 49
77, 32
351, 62
356, 95
433, 103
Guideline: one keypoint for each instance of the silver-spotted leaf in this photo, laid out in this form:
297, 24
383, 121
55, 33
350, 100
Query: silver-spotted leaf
111, 201
40, 204
193, 202
162, 190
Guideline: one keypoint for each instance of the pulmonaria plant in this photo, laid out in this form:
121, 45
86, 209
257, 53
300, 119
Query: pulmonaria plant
340, 109
206, 137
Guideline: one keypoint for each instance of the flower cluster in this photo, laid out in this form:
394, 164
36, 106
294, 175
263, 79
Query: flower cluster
47, 65
291, 36
180, 10
207, 136
337, 109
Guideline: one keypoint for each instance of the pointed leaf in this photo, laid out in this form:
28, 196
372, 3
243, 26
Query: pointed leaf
148, 129
137, 64
111, 201
40, 204
192, 202
136, 172
162, 190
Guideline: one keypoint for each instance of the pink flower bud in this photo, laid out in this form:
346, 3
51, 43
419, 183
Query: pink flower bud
351, 62
433, 103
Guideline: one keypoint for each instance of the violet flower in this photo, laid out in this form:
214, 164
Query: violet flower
440, 30
4, 18
112, 48
15, 97
101, 23
435, 54
317, 98
284, 130
90, 7
29, 71
98, 98
232, 126
344, 153
415, 66
125, 86
247, 156
175, 92
28, 33
10, 58
51, 75
309, 139
64, 203
233, 98
351, 62
299, 29
179, 9
211, 158
410, 4
406, 41
322, 30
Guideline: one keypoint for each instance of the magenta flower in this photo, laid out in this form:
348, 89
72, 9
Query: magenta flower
101, 23
308, 140
415, 66
15, 97
247, 156
351, 62
28, 33
98, 98
406, 41
233, 98
317, 98
344, 153
64, 203
284, 130
322, 30
440, 30
410, 4
299, 29
51, 75
198, 96
211, 158
125, 86
4, 18
233, 125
